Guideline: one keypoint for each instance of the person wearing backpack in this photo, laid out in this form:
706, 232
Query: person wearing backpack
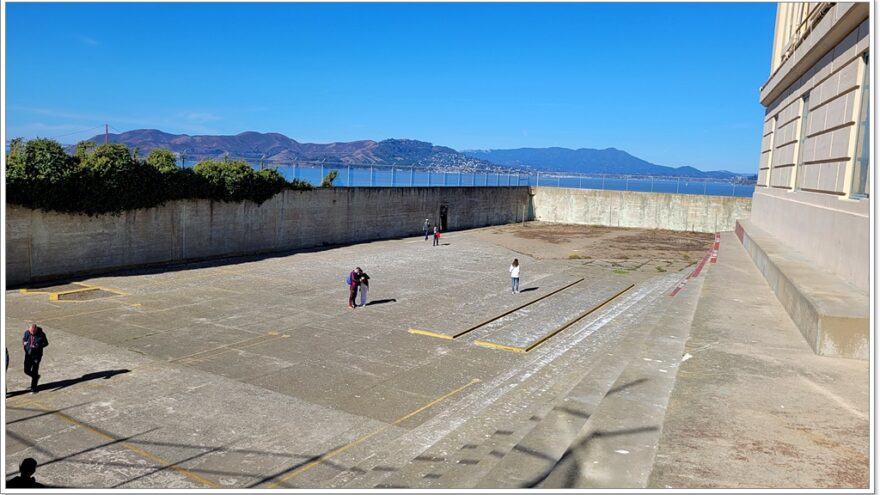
353, 280
34, 340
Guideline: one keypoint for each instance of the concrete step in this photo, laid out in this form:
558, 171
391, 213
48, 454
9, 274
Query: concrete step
483, 427
537, 453
617, 446
832, 315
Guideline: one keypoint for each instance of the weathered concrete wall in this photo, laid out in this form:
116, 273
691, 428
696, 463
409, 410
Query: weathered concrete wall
640, 209
45, 245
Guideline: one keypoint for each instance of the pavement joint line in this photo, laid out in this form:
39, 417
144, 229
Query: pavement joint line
77, 314
137, 450
548, 336
429, 333
333, 453
270, 336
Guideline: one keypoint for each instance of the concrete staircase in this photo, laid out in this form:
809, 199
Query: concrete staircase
582, 412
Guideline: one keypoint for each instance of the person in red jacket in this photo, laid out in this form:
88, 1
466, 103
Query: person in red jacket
353, 283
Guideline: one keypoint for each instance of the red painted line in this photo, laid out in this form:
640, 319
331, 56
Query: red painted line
712, 253
700, 266
680, 285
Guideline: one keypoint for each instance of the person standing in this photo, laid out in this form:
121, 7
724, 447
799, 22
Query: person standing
426, 227
436, 236
34, 341
353, 286
364, 286
514, 276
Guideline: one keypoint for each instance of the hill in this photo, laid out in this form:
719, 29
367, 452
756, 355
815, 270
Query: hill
587, 161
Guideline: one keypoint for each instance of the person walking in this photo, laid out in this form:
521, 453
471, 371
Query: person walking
34, 341
514, 276
353, 286
364, 286
427, 228
436, 236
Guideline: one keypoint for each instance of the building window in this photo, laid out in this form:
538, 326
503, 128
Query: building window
805, 122
863, 145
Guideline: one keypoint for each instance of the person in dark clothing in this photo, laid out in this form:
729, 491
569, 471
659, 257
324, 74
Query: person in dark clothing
34, 341
25, 478
354, 282
364, 280
427, 228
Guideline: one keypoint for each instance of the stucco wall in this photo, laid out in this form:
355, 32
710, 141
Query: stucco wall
640, 209
44, 245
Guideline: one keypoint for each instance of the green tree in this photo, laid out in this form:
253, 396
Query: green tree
85, 148
44, 159
162, 160
329, 178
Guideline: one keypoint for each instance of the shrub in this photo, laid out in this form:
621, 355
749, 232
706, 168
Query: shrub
111, 178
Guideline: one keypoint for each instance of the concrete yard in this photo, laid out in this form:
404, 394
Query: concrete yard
253, 372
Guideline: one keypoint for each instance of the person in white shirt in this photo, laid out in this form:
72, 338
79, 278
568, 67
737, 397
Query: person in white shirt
514, 276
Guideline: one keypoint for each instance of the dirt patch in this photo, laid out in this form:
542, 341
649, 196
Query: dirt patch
657, 251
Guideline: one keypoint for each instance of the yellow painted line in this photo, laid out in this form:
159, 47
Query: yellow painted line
100, 287
429, 333
500, 346
491, 319
551, 334
137, 450
28, 291
333, 453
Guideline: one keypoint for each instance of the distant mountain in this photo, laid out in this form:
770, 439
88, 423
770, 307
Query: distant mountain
587, 161
274, 148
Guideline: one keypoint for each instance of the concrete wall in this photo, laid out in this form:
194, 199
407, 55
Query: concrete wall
45, 245
835, 235
640, 209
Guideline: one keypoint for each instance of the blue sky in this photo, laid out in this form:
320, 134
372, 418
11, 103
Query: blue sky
674, 84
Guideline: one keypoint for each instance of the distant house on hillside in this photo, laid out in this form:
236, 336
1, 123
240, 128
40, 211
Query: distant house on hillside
813, 190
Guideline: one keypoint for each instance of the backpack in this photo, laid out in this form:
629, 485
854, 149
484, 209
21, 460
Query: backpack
348, 279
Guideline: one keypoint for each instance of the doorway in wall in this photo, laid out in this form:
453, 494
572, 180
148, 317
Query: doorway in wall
444, 211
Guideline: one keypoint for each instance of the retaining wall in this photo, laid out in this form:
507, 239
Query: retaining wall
44, 245
640, 209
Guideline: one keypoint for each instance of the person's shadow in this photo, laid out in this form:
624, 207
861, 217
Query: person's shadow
71, 381
381, 301
25, 478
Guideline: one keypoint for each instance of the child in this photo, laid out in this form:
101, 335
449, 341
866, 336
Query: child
514, 276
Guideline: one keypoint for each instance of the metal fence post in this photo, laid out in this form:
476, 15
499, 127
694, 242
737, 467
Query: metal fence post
677, 182
603, 182
652, 183
371, 175
322, 173
734, 190
626, 183
537, 178
392, 176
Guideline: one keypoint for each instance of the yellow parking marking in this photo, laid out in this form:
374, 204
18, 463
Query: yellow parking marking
429, 333
441, 335
333, 453
137, 450
547, 337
